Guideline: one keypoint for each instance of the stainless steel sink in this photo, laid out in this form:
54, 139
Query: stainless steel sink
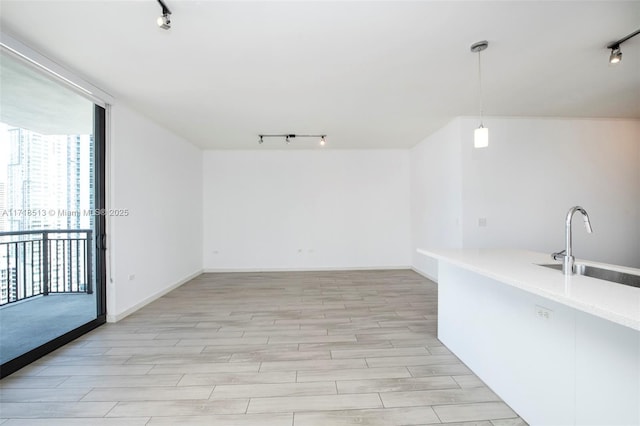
600, 273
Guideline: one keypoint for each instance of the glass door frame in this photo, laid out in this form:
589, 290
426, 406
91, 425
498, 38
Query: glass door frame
99, 245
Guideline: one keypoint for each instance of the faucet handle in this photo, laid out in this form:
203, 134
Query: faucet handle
558, 255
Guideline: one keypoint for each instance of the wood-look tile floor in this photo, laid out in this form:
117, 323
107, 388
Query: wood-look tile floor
263, 349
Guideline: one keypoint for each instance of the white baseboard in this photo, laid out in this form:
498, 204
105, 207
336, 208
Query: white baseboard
315, 269
146, 301
424, 274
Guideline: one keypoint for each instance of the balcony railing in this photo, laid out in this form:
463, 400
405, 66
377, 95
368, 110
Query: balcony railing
34, 263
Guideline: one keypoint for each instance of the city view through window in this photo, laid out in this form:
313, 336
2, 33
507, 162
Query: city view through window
51, 269
46, 183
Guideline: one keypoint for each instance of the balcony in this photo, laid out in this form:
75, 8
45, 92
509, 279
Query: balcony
46, 287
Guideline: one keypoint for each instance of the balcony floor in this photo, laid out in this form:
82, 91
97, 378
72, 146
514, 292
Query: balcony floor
32, 322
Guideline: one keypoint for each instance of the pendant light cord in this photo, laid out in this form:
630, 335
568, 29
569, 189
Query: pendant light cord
480, 85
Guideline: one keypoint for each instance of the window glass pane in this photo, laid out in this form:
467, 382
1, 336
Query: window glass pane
47, 187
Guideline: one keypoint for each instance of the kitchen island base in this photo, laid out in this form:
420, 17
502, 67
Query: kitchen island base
553, 364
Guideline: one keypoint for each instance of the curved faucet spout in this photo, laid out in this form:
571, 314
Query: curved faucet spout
585, 216
569, 259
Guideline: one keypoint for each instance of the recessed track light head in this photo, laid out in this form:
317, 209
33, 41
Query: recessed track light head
616, 55
164, 21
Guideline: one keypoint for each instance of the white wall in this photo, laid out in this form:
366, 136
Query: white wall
263, 210
524, 183
436, 196
536, 169
312, 209
157, 176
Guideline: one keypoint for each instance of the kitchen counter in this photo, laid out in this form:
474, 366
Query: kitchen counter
519, 268
560, 350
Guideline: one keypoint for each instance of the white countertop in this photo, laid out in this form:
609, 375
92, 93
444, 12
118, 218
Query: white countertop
518, 268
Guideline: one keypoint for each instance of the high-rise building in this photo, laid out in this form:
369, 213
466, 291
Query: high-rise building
50, 175
3, 207
49, 187
4, 271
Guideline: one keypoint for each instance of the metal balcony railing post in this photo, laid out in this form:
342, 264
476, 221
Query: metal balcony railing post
89, 267
45, 263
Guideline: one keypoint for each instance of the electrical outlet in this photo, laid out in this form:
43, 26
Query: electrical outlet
132, 277
482, 222
543, 313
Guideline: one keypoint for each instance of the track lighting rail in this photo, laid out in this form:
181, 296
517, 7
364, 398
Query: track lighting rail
617, 44
288, 136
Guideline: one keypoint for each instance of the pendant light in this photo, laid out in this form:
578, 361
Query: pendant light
481, 134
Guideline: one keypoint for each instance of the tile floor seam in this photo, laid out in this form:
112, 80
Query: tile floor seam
213, 388
381, 401
109, 410
436, 413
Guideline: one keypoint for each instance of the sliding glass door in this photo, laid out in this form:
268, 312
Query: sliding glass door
52, 266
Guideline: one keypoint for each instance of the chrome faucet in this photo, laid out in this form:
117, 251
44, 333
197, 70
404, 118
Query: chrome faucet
566, 255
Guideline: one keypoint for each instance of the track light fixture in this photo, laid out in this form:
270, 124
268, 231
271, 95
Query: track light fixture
164, 21
481, 134
289, 136
616, 53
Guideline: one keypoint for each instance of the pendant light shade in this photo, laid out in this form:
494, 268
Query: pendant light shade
481, 134
481, 137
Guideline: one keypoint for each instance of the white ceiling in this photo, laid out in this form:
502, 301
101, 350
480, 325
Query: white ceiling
381, 74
